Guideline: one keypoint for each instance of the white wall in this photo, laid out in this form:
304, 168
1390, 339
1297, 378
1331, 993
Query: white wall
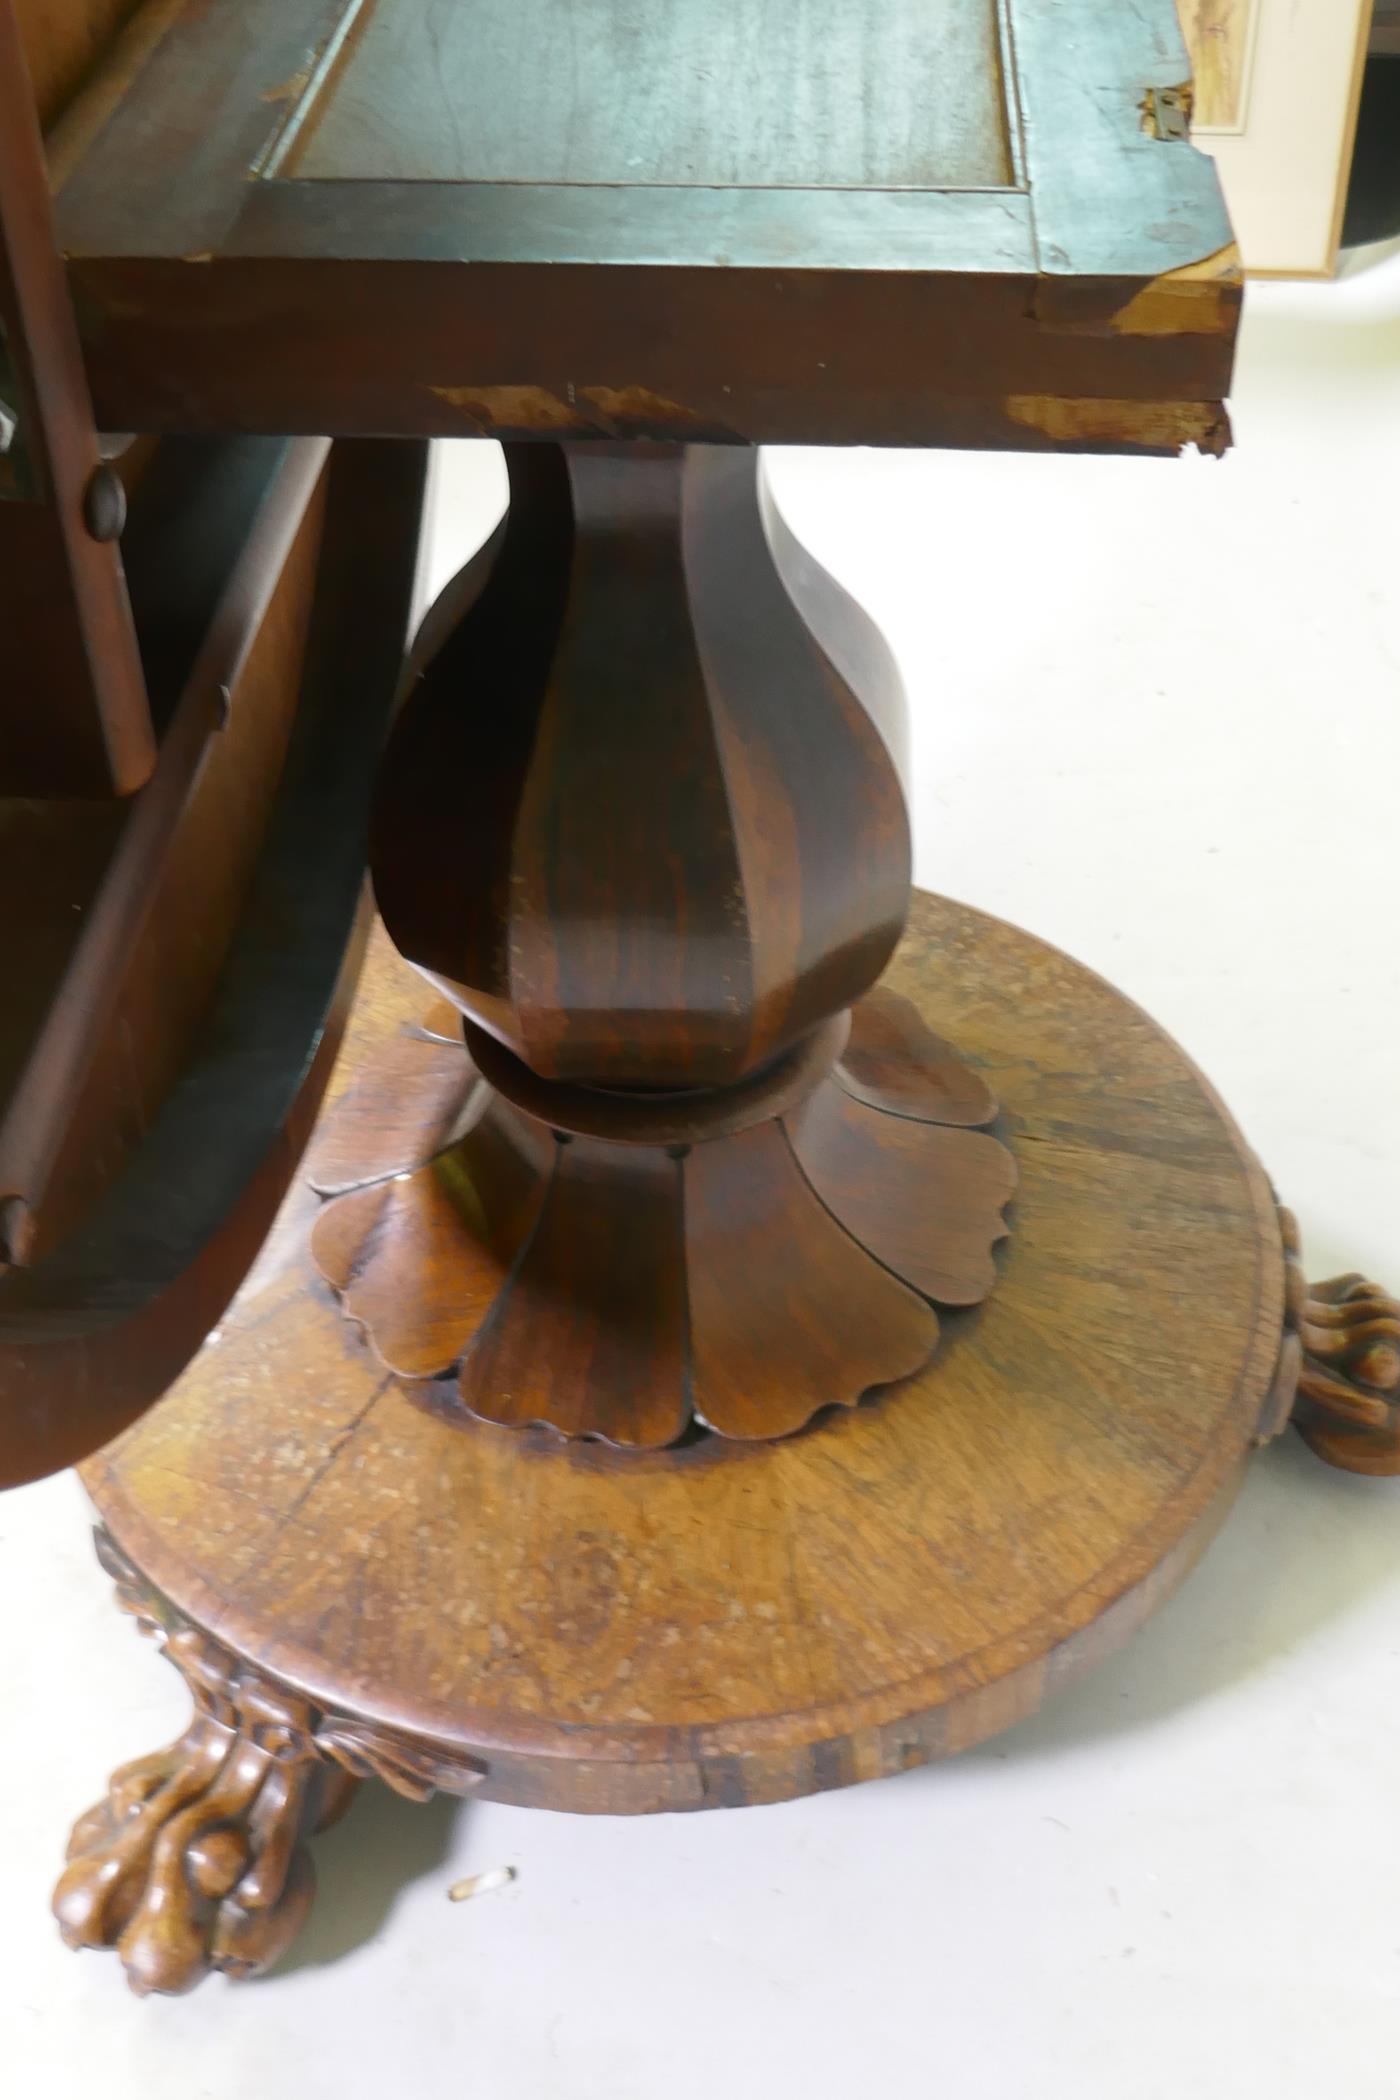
1285, 174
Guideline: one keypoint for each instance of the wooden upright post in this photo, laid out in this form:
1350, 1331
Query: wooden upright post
74, 719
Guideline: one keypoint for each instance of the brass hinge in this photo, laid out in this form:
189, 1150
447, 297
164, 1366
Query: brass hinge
1166, 112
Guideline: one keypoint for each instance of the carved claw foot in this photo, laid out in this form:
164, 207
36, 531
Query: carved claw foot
194, 1861
1342, 1359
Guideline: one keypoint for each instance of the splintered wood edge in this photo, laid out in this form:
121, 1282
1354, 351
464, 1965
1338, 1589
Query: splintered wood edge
1134, 426
1200, 298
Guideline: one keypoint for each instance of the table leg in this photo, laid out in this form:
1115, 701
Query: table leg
1342, 1365
194, 1861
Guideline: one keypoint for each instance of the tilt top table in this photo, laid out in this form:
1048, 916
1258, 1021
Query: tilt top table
820, 221
740, 1330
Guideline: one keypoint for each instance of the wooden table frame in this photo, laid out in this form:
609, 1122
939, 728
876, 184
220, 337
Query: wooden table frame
615, 1421
1091, 303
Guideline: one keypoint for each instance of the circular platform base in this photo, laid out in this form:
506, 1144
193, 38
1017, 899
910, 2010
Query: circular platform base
720, 1624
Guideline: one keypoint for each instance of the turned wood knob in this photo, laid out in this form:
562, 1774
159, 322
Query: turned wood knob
635, 821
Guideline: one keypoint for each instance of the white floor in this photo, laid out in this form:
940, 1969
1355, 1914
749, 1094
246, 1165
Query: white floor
1157, 716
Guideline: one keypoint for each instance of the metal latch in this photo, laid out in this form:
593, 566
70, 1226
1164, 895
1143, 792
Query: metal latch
1166, 112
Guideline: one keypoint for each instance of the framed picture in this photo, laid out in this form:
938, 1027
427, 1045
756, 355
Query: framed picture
1277, 84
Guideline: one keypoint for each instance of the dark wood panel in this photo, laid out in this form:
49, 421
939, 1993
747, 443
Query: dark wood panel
154, 998
898, 315
604, 226
54, 855
74, 719
92, 1335
893, 358
659, 880
788, 92
63, 39
131, 908
198, 504
192, 504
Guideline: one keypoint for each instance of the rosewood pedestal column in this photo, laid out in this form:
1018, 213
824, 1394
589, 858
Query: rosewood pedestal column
638, 826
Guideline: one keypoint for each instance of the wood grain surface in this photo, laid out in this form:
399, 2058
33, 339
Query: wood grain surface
63, 40
776, 223
99, 1327
779, 92
74, 719
1218, 34
637, 824
634, 821
722, 1624
123, 987
735, 1262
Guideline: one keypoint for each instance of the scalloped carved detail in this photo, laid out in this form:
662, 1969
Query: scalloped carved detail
395, 1117
894, 1061
1341, 1354
624, 1291
193, 1862
789, 1312
588, 1334
863, 1165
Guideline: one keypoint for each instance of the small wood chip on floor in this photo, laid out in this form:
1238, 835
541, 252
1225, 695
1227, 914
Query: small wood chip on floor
480, 1884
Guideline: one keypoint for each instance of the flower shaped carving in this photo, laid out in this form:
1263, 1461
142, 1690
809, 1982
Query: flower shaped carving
623, 1291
